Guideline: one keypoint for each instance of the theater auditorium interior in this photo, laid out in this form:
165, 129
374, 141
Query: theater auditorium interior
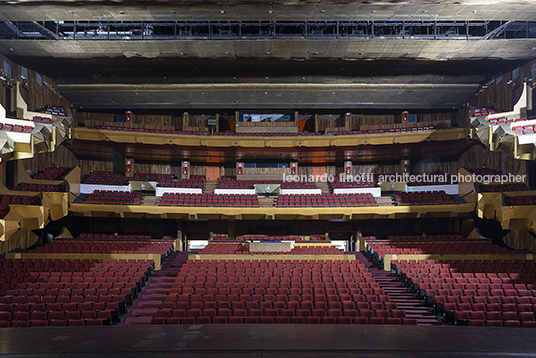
267, 178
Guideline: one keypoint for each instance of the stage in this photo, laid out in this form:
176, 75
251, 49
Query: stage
268, 341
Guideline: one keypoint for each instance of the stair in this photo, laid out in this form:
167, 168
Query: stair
324, 186
155, 291
398, 293
210, 185
150, 200
267, 202
385, 200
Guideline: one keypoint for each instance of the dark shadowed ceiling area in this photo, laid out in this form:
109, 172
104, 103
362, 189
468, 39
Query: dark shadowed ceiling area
388, 66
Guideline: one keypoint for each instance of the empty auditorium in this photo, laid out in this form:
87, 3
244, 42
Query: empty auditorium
229, 178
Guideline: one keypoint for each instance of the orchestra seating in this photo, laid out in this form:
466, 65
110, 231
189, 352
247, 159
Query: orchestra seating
19, 199
520, 200
149, 130
15, 128
68, 292
175, 199
475, 292
52, 173
338, 200
504, 187
38, 187
113, 197
267, 134
230, 182
55, 110
277, 291
388, 130
106, 178
439, 197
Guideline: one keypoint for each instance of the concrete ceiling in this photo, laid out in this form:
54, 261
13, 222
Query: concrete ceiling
320, 74
128, 10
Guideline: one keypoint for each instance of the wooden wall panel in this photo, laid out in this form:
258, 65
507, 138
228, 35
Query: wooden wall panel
520, 240
157, 169
87, 166
20, 240
198, 169
90, 119
362, 122
38, 96
61, 157
501, 95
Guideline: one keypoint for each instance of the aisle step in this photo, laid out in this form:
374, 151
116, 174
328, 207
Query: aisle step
398, 293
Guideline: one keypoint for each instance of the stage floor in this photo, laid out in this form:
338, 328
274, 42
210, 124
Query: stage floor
268, 341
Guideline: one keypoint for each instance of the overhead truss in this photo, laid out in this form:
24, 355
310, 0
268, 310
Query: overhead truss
183, 30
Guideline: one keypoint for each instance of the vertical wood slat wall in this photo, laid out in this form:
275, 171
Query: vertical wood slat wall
38, 96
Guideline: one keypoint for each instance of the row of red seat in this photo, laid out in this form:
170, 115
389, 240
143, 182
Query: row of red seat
328, 265
454, 237
333, 292
86, 246
527, 129
474, 298
338, 200
149, 130
503, 120
19, 199
389, 130
520, 200
175, 199
69, 298
114, 197
421, 198
43, 120
419, 248
16, 128
484, 111
228, 182
38, 187
267, 134
52, 109
106, 178
504, 187
217, 249
99, 236
52, 173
